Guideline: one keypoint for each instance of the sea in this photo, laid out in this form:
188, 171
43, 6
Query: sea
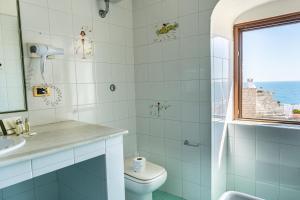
286, 92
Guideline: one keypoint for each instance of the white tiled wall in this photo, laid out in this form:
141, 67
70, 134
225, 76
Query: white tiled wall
84, 83
264, 161
175, 72
221, 83
261, 160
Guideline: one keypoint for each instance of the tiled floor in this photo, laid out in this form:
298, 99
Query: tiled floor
159, 195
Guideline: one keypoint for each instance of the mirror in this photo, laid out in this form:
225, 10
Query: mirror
12, 84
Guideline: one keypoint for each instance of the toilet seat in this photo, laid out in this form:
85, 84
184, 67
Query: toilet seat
139, 186
150, 174
142, 181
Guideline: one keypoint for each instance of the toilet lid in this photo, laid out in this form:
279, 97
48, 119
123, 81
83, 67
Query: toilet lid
152, 171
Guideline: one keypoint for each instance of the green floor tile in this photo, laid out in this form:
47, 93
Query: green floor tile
159, 195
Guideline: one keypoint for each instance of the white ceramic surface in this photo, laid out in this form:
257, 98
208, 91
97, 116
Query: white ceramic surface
137, 189
10, 143
237, 196
56, 137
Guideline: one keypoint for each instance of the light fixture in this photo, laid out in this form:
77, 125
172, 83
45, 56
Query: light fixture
102, 12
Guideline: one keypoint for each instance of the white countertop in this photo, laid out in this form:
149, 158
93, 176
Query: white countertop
55, 137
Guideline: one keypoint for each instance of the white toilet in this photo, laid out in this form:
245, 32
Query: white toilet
139, 186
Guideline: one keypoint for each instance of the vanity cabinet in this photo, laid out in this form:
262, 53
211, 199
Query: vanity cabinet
52, 162
86, 152
15, 173
108, 146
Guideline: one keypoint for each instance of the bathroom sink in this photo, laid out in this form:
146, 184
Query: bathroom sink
10, 143
237, 196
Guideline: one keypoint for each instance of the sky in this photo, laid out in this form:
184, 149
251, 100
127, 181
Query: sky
272, 54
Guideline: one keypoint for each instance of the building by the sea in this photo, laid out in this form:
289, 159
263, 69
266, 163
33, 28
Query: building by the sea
260, 103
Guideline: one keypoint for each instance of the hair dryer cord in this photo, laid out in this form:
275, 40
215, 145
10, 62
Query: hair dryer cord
29, 76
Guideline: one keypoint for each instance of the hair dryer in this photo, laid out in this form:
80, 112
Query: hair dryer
43, 51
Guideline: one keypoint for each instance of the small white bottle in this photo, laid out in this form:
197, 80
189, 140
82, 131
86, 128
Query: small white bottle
27, 126
19, 127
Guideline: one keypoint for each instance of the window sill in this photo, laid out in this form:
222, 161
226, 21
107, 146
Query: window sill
265, 124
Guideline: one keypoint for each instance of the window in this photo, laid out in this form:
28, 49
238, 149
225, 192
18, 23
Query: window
267, 69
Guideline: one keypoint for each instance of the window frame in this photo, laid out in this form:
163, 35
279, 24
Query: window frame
238, 29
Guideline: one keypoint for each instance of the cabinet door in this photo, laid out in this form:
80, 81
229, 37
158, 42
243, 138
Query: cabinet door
15, 173
52, 162
89, 151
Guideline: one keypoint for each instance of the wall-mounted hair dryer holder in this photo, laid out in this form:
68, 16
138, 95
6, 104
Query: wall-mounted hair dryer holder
43, 52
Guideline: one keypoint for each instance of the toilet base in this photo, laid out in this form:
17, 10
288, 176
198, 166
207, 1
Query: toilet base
133, 196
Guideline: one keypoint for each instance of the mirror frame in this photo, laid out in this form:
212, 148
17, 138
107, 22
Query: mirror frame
22, 63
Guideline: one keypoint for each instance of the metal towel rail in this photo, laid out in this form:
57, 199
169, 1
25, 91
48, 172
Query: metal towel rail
187, 143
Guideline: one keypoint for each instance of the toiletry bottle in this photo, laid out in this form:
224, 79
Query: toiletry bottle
19, 127
27, 126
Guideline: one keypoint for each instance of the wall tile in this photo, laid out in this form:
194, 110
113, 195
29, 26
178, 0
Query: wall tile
245, 148
60, 23
63, 5
82, 8
174, 167
172, 71
170, 8
191, 173
276, 165
267, 191
38, 117
170, 50
289, 136
63, 71
188, 7
288, 156
245, 186
173, 149
155, 72
267, 152
173, 186
266, 172
245, 132
189, 47
190, 90
85, 72
29, 19
189, 25
244, 167
286, 193
268, 134
190, 69
191, 191
86, 94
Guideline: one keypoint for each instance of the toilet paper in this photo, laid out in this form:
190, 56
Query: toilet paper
139, 164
